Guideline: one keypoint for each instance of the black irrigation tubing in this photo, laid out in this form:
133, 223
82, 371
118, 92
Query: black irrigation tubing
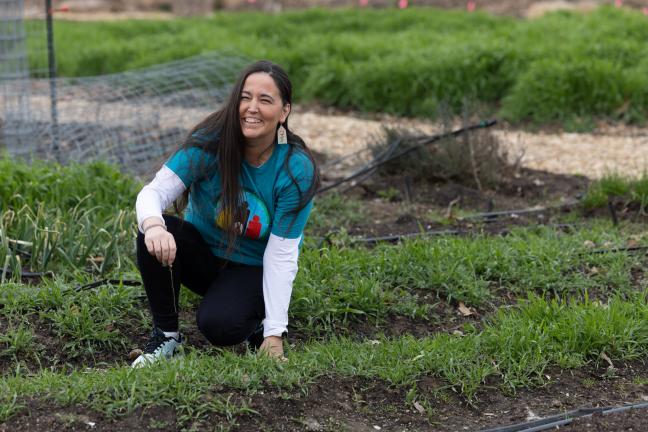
565, 418
341, 159
429, 140
95, 284
398, 237
27, 274
616, 250
365, 173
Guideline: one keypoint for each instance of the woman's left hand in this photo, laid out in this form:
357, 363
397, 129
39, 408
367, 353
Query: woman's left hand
272, 346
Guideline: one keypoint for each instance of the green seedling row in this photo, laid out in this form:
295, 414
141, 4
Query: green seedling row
516, 347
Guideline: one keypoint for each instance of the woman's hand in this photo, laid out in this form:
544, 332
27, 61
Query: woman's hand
159, 242
272, 346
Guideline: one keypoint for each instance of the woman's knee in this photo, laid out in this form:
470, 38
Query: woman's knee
222, 330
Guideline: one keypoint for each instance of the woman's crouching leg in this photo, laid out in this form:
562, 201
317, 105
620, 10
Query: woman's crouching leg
232, 308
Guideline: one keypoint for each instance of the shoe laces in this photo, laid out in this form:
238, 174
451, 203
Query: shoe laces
157, 338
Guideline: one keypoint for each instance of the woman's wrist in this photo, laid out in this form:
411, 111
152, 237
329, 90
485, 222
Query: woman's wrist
156, 225
152, 222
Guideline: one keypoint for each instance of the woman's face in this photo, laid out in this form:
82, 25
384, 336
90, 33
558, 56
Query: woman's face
261, 109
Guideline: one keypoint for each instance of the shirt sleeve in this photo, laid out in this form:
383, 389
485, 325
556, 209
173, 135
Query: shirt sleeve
190, 164
279, 271
286, 222
158, 195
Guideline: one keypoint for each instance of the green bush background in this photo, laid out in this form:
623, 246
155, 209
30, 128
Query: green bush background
563, 68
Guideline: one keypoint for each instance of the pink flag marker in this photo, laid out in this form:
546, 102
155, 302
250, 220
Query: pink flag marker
471, 5
402, 4
618, 3
645, 11
363, 3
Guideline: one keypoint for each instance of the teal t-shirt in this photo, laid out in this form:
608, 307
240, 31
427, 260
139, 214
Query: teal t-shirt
270, 198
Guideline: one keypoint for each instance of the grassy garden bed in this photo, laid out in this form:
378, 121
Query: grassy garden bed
424, 333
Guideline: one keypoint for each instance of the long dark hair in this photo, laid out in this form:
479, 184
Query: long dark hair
220, 134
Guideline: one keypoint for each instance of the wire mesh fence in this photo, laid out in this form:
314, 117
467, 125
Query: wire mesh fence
131, 119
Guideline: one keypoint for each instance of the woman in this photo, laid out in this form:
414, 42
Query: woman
246, 184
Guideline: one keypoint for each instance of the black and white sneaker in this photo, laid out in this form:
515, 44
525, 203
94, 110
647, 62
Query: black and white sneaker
158, 347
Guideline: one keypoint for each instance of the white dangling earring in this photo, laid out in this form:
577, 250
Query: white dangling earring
282, 136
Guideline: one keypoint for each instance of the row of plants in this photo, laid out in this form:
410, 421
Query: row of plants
564, 67
337, 283
516, 347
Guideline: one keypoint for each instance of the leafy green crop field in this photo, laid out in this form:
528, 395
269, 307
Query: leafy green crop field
540, 300
563, 68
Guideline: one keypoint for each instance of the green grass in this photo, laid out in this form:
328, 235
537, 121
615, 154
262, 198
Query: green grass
617, 186
564, 67
337, 284
516, 347
342, 282
572, 305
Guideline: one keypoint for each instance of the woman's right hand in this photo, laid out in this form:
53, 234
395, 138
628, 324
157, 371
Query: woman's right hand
161, 244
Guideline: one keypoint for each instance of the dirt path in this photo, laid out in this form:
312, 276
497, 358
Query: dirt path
609, 149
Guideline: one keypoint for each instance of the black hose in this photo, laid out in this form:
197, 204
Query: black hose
95, 284
563, 419
398, 237
27, 274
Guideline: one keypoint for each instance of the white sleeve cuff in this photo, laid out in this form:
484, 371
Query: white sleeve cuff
279, 271
156, 196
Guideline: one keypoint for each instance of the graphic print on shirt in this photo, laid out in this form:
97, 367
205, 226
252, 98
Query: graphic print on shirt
255, 213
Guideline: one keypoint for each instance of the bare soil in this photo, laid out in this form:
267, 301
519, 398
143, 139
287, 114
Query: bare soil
419, 206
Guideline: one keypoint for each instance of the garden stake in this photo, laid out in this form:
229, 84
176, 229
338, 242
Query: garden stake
615, 220
408, 189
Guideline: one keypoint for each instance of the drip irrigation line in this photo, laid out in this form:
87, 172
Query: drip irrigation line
615, 250
364, 173
26, 274
341, 159
346, 157
95, 284
565, 418
428, 140
398, 237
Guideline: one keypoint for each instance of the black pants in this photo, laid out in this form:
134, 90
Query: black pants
232, 306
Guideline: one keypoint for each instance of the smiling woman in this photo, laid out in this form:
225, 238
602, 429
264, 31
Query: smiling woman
261, 109
245, 184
